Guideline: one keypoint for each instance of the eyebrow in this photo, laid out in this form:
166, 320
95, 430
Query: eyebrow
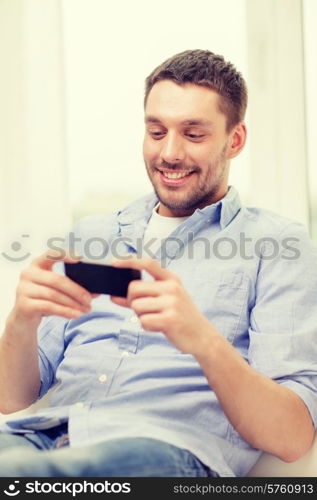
191, 122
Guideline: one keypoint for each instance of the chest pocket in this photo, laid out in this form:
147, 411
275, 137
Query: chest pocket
222, 296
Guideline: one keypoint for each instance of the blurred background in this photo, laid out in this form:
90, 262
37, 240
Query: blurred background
71, 108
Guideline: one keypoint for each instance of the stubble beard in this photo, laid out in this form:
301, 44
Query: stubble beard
205, 192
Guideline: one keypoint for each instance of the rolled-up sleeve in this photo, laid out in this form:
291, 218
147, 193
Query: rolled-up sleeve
50, 350
283, 321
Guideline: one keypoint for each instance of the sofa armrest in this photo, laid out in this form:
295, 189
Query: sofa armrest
270, 466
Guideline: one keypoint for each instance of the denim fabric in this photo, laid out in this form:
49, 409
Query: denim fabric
132, 457
41, 440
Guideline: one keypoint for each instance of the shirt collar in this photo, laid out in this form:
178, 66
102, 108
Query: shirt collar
223, 211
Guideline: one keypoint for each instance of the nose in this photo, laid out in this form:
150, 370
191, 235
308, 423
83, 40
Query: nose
172, 148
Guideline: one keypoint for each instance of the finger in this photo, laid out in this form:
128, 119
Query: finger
47, 308
58, 282
40, 292
148, 305
152, 322
120, 301
146, 264
144, 289
48, 258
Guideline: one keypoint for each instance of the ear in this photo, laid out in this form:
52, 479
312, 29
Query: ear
237, 139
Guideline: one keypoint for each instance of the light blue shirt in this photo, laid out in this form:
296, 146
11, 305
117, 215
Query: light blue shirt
250, 271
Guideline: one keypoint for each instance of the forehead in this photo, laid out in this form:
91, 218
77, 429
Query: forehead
186, 102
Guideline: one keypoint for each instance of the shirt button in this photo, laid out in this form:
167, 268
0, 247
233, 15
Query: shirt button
125, 354
80, 404
102, 379
134, 319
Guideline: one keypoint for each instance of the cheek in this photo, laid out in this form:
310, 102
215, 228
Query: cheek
200, 158
150, 149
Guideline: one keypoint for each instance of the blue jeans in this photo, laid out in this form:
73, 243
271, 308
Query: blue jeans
47, 454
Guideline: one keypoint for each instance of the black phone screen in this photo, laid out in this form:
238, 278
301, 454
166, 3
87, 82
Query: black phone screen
101, 278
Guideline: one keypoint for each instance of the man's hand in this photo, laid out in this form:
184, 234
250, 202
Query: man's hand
164, 305
41, 292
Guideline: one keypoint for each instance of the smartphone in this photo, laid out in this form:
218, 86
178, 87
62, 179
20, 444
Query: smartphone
101, 278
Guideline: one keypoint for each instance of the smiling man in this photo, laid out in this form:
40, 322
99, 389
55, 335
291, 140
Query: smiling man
211, 358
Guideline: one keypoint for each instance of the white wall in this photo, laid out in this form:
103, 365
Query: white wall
310, 44
33, 189
277, 107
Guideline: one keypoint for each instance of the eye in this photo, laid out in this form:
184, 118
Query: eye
195, 136
156, 134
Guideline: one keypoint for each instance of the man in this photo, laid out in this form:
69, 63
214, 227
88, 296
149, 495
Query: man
211, 358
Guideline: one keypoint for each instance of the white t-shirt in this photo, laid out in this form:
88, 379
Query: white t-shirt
160, 227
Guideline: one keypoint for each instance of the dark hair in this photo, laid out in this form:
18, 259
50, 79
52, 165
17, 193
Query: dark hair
202, 67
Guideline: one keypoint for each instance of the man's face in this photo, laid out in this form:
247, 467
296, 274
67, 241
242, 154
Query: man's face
186, 147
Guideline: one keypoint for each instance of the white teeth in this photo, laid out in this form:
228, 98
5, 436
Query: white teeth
175, 175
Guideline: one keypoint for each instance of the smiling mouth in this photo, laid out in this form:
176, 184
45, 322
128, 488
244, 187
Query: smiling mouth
175, 175
172, 174
173, 178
